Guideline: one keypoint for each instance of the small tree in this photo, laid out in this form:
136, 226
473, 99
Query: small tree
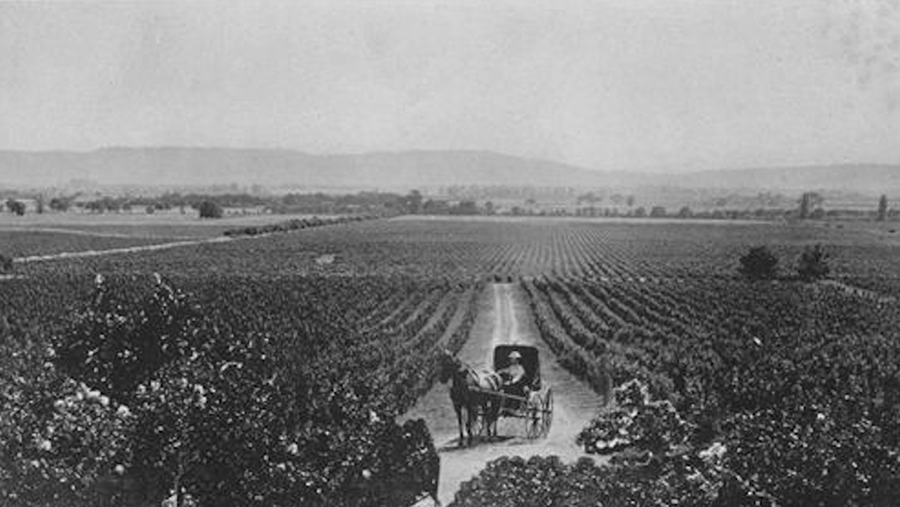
808, 202
210, 209
813, 264
59, 204
882, 208
6, 263
413, 202
14, 206
759, 264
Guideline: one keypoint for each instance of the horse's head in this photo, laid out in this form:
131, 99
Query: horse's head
448, 364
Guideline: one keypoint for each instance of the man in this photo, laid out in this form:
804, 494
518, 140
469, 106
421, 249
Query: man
514, 375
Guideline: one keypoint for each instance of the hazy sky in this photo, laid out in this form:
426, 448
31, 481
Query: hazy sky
662, 85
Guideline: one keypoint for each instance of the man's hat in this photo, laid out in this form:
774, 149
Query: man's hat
515, 355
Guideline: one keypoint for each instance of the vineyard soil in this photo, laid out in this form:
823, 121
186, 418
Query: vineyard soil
504, 317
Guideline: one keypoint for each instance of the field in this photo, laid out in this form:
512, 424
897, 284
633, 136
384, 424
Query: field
348, 319
162, 225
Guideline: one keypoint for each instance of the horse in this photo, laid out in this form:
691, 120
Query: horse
466, 393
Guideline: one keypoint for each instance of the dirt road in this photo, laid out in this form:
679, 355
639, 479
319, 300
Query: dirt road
504, 318
124, 250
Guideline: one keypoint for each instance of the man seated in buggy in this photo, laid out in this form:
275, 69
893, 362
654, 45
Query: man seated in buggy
514, 376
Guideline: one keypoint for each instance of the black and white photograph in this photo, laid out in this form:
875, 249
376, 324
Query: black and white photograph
449, 253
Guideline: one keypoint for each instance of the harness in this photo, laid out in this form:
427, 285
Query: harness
490, 378
469, 377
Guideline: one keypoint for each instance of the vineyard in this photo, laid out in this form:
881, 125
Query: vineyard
800, 377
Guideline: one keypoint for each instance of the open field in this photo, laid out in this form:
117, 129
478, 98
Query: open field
25, 242
355, 314
162, 224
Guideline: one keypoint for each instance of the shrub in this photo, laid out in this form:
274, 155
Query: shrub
637, 422
59, 440
759, 264
15, 207
210, 209
216, 415
813, 264
6, 264
695, 479
820, 460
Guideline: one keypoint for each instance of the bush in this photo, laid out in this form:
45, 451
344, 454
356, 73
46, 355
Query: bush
210, 209
6, 264
820, 460
813, 264
759, 264
215, 415
16, 207
695, 479
59, 440
636, 422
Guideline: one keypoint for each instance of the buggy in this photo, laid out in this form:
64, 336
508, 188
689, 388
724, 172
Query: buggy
534, 404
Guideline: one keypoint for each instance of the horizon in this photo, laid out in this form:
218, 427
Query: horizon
642, 87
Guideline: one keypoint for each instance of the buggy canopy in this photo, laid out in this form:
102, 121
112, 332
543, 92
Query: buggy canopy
530, 361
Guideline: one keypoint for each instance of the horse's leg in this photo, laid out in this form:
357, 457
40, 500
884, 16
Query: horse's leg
497, 409
479, 412
491, 412
470, 415
459, 421
494, 408
486, 416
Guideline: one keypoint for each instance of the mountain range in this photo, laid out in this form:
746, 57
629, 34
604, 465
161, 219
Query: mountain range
400, 170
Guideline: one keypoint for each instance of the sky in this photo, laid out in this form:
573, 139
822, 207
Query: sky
640, 85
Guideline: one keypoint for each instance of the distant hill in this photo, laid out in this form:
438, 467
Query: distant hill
205, 166
864, 178
395, 171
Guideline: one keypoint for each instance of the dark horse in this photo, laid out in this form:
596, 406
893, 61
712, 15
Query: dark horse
468, 393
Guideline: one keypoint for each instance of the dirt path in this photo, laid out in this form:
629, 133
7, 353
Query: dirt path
73, 232
856, 291
124, 250
504, 318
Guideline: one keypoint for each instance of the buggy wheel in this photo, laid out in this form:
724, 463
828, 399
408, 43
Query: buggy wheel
548, 412
533, 416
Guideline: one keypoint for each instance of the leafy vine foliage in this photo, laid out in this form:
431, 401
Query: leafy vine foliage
788, 391
813, 264
145, 397
759, 263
